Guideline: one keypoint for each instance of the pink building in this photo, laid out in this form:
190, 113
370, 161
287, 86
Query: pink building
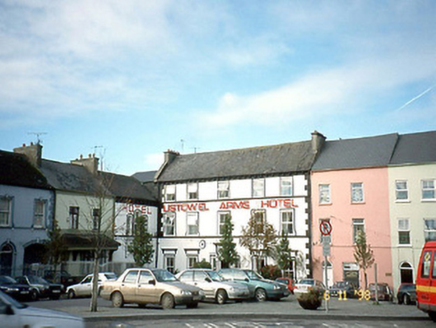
350, 190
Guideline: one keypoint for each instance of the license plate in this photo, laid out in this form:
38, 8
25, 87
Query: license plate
24, 292
196, 298
56, 291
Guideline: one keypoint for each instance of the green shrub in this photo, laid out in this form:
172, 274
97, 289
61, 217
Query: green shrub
270, 272
202, 265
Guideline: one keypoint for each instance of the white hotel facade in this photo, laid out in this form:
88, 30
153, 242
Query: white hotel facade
199, 190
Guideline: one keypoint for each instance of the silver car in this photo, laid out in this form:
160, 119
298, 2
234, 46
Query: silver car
84, 288
150, 286
214, 286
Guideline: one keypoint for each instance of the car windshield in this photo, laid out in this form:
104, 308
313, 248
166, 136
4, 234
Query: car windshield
215, 276
8, 299
110, 275
253, 275
306, 282
408, 286
7, 280
36, 280
164, 276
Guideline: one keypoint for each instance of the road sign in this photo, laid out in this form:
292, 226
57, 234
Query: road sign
325, 227
326, 246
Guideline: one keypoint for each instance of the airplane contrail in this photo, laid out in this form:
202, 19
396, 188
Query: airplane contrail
415, 98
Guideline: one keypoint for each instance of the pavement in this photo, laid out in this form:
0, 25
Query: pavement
287, 308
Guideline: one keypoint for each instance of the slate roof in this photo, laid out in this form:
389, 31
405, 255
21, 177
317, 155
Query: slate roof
16, 170
70, 177
249, 162
145, 176
415, 148
124, 186
356, 153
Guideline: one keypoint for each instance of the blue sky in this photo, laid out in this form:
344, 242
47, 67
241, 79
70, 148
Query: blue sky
130, 79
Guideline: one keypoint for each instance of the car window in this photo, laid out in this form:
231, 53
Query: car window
200, 276
306, 282
145, 277
164, 276
87, 280
110, 276
253, 275
131, 277
215, 276
187, 276
227, 274
239, 275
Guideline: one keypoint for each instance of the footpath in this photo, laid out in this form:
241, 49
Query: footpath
288, 308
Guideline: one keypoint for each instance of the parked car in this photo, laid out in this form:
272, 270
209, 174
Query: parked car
406, 294
18, 291
340, 287
214, 286
44, 288
62, 277
16, 314
84, 288
304, 285
260, 289
150, 286
384, 292
288, 282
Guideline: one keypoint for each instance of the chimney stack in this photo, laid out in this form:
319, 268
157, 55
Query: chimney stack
90, 163
317, 141
170, 155
32, 152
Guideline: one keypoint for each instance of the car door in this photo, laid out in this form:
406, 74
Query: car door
145, 288
85, 286
202, 280
128, 286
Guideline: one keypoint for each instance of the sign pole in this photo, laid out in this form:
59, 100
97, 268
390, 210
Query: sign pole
326, 283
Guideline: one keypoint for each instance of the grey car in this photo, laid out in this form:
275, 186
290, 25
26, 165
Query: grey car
214, 286
150, 286
261, 289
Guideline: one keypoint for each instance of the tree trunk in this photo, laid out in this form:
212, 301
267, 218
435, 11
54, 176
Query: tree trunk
94, 295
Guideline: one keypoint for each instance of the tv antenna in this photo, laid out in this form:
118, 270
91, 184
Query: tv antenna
195, 149
38, 139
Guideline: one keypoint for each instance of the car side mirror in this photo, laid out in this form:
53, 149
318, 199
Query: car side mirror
152, 282
247, 280
208, 279
8, 310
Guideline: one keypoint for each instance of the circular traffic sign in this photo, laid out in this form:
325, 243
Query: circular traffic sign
325, 227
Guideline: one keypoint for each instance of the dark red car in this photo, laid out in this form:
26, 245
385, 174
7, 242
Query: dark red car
288, 282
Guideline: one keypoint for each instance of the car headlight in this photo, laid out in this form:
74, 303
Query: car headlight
201, 293
11, 289
276, 287
186, 293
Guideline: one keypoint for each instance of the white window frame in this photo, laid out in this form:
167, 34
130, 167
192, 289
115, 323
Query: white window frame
404, 227
357, 190
192, 217
429, 229
223, 189
358, 222
426, 189
170, 193
171, 217
286, 186
287, 223
258, 187
324, 193
192, 190
39, 213
401, 190
191, 260
6, 211
171, 257
221, 220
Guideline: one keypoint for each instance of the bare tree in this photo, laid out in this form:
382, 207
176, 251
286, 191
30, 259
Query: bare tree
363, 254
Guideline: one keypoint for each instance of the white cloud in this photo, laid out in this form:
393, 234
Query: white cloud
153, 161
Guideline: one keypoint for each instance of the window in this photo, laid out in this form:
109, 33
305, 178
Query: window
357, 192
258, 187
96, 220
259, 221
221, 221
425, 265
131, 277
192, 259
145, 277
170, 261
286, 186
74, 217
401, 191
39, 213
169, 224
287, 221
429, 229
170, 193
358, 225
223, 189
213, 262
428, 189
403, 232
192, 191
5, 211
192, 223
324, 194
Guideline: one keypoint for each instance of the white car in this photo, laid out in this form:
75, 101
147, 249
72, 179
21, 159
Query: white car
304, 285
214, 286
14, 314
84, 288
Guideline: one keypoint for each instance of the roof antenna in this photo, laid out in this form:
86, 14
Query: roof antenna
38, 139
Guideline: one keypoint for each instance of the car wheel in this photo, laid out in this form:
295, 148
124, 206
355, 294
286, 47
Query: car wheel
432, 316
192, 305
167, 301
33, 295
406, 299
117, 300
221, 297
260, 295
71, 294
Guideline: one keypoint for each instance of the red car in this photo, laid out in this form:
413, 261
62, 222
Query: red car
288, 282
